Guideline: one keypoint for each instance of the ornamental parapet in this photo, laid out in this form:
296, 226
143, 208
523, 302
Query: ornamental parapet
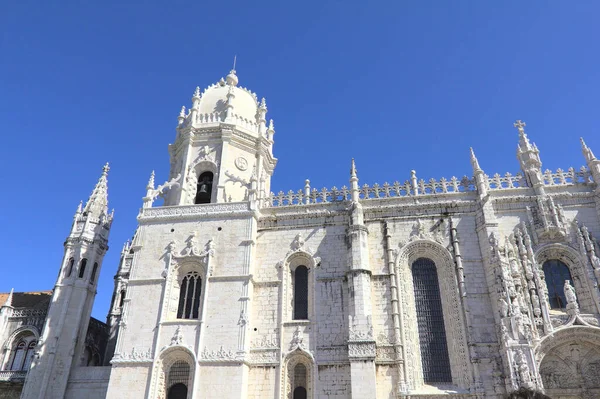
12, 376
194, 212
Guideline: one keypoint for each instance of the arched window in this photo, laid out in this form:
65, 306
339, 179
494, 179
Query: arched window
82, 267
300, 282
69, 269
556, 272
430, 322
122, 298
29, 354
94, 270
299, 384
179, 375
189, 296
22, 354
18, 356
204, 188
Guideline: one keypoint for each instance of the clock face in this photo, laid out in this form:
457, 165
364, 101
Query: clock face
241, 163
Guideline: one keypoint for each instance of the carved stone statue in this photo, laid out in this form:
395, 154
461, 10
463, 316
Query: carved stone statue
572, 306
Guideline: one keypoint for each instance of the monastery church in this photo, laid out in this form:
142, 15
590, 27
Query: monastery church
463, 288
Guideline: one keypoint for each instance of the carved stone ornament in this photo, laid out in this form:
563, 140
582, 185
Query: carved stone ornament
298, 247
177, 338
435, 231
161, 190
241, 163
135, 356
297, 341
218, 355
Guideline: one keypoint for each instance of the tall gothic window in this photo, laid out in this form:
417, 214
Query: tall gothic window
94, 271
122, 298
22, 354
430, 322
179, 375
189, 296
70, 267
82, 267
556, 272
300, 282
204, 188
299, 382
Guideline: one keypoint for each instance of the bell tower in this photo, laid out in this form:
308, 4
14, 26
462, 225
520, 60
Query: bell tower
63, 336
223, 151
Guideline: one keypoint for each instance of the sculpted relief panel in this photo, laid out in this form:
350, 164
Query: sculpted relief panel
572, 368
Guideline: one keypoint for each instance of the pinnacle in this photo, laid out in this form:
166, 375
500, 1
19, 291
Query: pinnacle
97, 204
587, 151
474, 161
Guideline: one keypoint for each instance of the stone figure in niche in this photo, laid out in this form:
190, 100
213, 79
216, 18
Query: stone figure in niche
572, 306
503, 307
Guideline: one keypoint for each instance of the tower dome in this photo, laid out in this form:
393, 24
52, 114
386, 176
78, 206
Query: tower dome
216, 99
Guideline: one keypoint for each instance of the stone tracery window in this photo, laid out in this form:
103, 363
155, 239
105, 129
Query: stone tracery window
189, 296
556, 272
430, 322
300, 284
22, 353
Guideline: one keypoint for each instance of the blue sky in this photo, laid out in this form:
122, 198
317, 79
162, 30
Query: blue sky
397, 85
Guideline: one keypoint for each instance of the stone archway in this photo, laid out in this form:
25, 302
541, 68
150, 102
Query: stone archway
569, 363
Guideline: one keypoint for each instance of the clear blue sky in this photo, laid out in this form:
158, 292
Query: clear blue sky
397, 85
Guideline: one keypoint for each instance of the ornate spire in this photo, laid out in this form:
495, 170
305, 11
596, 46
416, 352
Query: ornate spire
150, 185
98, 202
474, 161
524, 143
354, 190
587, 152
196, 93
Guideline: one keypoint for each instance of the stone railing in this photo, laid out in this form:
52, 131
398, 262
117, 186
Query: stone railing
217, 117
209, 118
376, 191
509, 180
562, 178
12, 376
27, 313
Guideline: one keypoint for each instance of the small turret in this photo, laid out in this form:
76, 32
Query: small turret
529, 158
592, 162
479, 176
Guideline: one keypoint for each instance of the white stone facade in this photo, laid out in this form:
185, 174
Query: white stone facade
488, 237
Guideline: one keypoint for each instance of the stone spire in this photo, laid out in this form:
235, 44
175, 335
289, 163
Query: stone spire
10, 298
98, 202
479, 176
592, 162
354, 190
524, 143
474, 162
529, 158
587, 152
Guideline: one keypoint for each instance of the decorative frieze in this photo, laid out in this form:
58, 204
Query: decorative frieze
136, 356
193, 212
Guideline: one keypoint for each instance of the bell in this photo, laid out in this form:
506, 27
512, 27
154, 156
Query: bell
203, 188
